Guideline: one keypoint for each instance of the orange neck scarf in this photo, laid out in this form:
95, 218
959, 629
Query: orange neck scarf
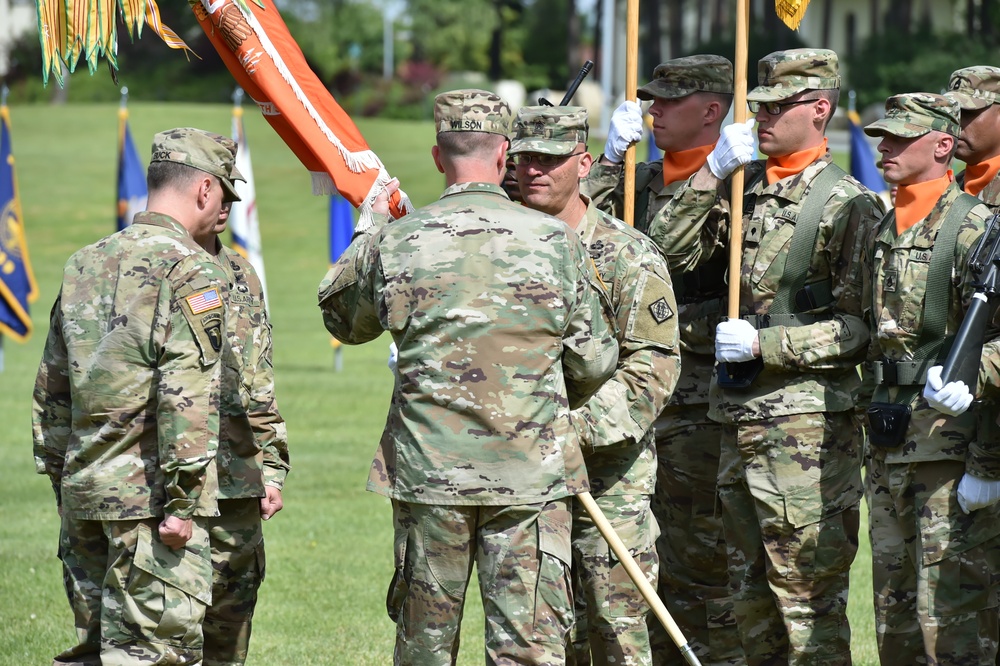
915, 202
784, 166
680, 165
978, 176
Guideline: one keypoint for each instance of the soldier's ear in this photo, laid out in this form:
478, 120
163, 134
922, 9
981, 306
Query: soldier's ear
436, 154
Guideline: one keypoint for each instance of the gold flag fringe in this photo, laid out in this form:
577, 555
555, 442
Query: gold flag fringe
791, 11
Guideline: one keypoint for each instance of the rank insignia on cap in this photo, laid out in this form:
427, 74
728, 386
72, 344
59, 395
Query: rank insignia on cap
204, 301
660, 310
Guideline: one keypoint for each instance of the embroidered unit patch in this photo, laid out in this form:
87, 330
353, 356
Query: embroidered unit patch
660, 310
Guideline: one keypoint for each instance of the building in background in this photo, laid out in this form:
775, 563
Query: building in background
17, 17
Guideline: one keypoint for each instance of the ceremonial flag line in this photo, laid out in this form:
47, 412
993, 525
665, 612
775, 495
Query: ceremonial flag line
132, 194
243, 222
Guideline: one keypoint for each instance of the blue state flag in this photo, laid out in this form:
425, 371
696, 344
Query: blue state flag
17, 281
862, 161
131, 178
341, 226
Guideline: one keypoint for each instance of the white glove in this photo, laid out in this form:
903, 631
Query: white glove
975, 493
734, 340
952, 398
735, 147
393, 355
624, 130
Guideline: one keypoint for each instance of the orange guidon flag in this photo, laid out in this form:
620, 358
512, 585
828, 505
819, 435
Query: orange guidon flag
791, 11
259, 51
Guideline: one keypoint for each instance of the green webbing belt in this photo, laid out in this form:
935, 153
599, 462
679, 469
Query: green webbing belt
937, 301
803, 243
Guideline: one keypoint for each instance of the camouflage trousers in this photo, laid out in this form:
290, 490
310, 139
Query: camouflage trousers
610, 611
237, 542
790, 489
694, 570
134, 600
522, 555
935, 569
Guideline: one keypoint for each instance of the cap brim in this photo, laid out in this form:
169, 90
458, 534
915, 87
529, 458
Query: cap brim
229, 189
772, 93
656, 90
968, 102
542, 146
895, 128
234, 174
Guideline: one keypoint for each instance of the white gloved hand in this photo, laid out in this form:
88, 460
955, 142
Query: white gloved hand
734, 340
393, 355
624, 130
735, 147
975, 493
952, 398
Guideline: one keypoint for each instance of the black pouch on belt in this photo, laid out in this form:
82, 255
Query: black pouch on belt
887, 423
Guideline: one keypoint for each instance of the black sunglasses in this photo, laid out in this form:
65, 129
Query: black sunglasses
542, 160
775, 108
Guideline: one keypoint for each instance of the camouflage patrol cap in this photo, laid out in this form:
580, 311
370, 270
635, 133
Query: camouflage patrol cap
212, 153
785, 73
550, 130
915, 114
681, 77
471, 110
975, 87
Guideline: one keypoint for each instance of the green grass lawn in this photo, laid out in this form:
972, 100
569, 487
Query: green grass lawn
329, 551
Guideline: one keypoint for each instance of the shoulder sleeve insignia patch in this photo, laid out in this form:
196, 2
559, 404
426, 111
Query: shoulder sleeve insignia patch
660, 310
204, 301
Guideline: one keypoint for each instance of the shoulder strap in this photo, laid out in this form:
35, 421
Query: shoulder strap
803, 243
642, 195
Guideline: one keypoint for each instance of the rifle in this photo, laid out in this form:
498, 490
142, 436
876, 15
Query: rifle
584, 71
963, 359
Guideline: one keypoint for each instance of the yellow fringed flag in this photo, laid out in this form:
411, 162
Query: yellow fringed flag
791, 11
74, 29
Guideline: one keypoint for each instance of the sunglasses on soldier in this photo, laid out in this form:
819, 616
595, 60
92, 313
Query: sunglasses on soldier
776, 108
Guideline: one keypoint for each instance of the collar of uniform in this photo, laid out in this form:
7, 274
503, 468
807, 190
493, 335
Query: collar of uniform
793, 187
159, 220
588, 225
924, 232
474, 188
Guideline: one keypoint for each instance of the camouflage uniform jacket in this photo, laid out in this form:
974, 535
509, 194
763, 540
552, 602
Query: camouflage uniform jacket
896, 269
253, 443
807, 368
615, 424
126, 402
502, 328
605, 185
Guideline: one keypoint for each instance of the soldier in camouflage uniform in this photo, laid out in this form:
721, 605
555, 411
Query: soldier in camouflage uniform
252, 460
977, 91
790, 459
499, 320
935, 540
126, 414
691, 97
614, 426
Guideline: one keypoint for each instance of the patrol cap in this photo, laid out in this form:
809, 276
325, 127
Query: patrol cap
915, 114
212, 153
785, 73
550, 130
471, 110
975, 87
681, 77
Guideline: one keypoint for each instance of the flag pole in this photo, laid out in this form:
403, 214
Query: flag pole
736, 187
631, 83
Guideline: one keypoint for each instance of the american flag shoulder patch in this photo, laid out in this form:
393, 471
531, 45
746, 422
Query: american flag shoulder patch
204, 301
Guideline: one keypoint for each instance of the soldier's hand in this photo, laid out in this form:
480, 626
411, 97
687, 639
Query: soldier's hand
624, 130
735, 341
975, 493
175, 532
271, 503
735, 148
381, 204
952, 398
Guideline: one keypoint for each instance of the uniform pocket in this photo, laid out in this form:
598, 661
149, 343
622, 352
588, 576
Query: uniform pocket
553, 615
623, 596
168, 590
